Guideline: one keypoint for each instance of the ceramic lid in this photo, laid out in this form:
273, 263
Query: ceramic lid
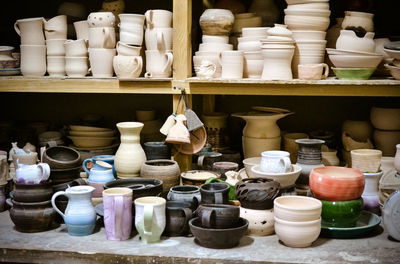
391, 215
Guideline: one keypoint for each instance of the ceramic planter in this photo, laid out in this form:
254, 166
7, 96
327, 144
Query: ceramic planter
261, 222
257, 193
297, 208
385, 118
341, 213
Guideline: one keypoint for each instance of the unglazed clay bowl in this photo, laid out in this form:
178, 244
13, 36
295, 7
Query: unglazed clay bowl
341, 213
250, 162
393, 53
92, 133
92, 142
353, 73
366, 160
218, 238
385, 118
197, 177
60, 157
333, 183
297, 208
285, 178
297, 234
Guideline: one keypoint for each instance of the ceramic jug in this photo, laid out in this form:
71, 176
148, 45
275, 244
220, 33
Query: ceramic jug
130, 154
105, 158
30, 30
32, 174
80, 216
348, 40
358, 19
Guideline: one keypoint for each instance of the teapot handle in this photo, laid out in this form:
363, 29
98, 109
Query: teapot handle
53, 202
170, 59
139, 63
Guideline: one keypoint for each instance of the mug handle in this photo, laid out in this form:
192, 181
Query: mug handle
119, 210
84, 165
53, 202
45, 168
208, 218
160, 40
16, 27
170, 59
107, 36
326, 70
188, 215
219, 198
139, 61
149, 18
148, 220
286, 163
200, 160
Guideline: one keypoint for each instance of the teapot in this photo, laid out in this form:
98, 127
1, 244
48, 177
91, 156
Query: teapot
32, 174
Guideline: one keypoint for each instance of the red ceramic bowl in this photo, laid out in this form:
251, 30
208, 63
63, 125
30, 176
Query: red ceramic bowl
333, 183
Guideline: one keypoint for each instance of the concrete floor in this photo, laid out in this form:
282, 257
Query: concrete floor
56, 246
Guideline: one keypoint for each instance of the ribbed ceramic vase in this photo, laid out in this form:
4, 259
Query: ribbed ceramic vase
309, 157
130, 154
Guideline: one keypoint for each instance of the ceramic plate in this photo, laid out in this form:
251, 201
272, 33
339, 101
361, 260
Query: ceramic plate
99, 209
367, 222
9, 72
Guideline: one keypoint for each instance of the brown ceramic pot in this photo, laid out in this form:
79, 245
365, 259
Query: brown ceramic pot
32, 217
165, 170
33, 193
178, 214
257, 193
64, 175
218, 215
60, 157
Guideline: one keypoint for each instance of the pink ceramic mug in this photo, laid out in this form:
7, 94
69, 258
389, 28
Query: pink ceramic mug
313, 71
117, 204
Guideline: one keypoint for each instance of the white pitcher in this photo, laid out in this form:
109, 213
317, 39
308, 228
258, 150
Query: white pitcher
32, 174
30, 30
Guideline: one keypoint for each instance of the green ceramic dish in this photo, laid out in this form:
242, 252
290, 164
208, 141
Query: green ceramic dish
341, 214
353, 73
365, 225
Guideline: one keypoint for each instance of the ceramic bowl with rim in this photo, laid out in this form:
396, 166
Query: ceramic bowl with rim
355, 61
92, 133
341, 213
92, 142
88, 128
385, 118
297, 234
60, 157
297, 208
331, 51
353, 73
393, 53
285, 178
308, 35
394, 71
250, 162
197, 177
333, 183
308, 12
309, 5
366, 160
307, 22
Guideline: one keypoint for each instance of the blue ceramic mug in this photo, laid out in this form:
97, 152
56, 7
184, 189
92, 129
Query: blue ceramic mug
106, 158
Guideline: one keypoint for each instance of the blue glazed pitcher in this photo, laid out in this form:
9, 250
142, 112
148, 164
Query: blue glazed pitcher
80, 216
106, 158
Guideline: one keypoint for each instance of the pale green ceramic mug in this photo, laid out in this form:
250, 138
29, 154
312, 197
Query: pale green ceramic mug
150, 218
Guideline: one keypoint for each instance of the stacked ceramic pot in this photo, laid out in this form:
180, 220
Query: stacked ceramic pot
277, 50
158, 38
129, 63
392, 50
250, 44
387, 129
216, 25
89, 138
76, 51
308, 22
102, 42
243, 20
355, 57
33, 46
339, 189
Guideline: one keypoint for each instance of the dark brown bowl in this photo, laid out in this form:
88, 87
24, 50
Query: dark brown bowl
218, 238
60, 157
33, 193
257, 193
64, 175
140, 187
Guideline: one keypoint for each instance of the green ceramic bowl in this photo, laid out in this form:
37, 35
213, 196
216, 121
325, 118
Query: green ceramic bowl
341, 214
353, 73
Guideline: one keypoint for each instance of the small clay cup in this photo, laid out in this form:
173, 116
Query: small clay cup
218, 215
257, 193
214, 193
178, 215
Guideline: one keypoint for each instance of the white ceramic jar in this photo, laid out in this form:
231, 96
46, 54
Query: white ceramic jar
348, 40
358, 19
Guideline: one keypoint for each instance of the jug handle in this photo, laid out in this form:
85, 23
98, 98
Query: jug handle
148, 219
139, 64
85, 166
53, 201
16, 27
119, 210
170, 59
286, 163
188, 215
149, 17
326, 70
208, 218
160, 40
45, 168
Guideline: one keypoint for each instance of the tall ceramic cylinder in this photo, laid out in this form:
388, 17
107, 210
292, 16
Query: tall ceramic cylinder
130, 154
370, 194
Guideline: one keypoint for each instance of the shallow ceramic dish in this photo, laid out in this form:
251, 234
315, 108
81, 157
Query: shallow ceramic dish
353, 73
197, 177
394, 71
92, 133
218, 238
393, 53
92, 142
89, 128
297, 208
10, 72
355, 61
285, 179
341, 214
364, 226
385, 118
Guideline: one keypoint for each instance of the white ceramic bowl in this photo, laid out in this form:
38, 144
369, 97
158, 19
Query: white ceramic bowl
88, 128
285, 179
297, 234
255, 31
350, 61
215, 39
308, 6
250, 162
297, 208
215, 47
394, 71
348, 52
295, 2
307, 23
393, 53
308, 35
308, 12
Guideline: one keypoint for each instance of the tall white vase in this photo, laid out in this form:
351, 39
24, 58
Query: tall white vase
371, 192
277, 63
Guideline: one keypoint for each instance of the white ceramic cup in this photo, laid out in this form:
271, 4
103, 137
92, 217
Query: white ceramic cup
56, 27
33, 60
255, 32
275, 161
131, 35
101, 62
55, 47
313, 71
128, 50
102, 37
132, 20
76, 48
82, 30
150, 218
215, 39
101, 19
253, 68
127, 66
56, 66
215, 46
158, 18
159, 63
30, 30
232, 64
158, 39
77, 67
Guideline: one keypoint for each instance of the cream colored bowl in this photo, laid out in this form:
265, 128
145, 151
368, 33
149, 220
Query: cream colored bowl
350, 61
92, 133
92, 142
308, 12
307, 22
250, 162
285, 179
88, 128
297, 208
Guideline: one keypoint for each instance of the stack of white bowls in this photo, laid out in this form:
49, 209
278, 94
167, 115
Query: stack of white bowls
277, 50
243, 20
250, 44
308, 20
55, 30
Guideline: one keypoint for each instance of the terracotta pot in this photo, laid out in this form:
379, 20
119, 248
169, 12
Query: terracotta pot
261, 222
297, 208
32, 217
164, 170
385, 118
386, 141
336, 183
33, 193
257, 193
60, 157
357, 130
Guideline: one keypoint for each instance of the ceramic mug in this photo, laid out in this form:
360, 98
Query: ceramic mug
82, 30
150, 218
33, 60
232, 63
130, 20
158, 18
218, 215
128, 66
30, 30
215, 39
185, 193
158, 38
127, 50
158, 64
206, 160
117, 204
75, 48
101, 62
178, 215
56, 27
102, 38
131, 35
101, 19
56, 66
275, 161
214, 193
55, 47
313, 71
76, 66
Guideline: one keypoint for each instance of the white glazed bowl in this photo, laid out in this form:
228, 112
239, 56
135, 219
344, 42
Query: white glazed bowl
394, 71
308, 35
308, 6
285, 179
255, 32
307, 22
215, 47
297, 208
215, 39
350, 61
393, 53
308, 12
